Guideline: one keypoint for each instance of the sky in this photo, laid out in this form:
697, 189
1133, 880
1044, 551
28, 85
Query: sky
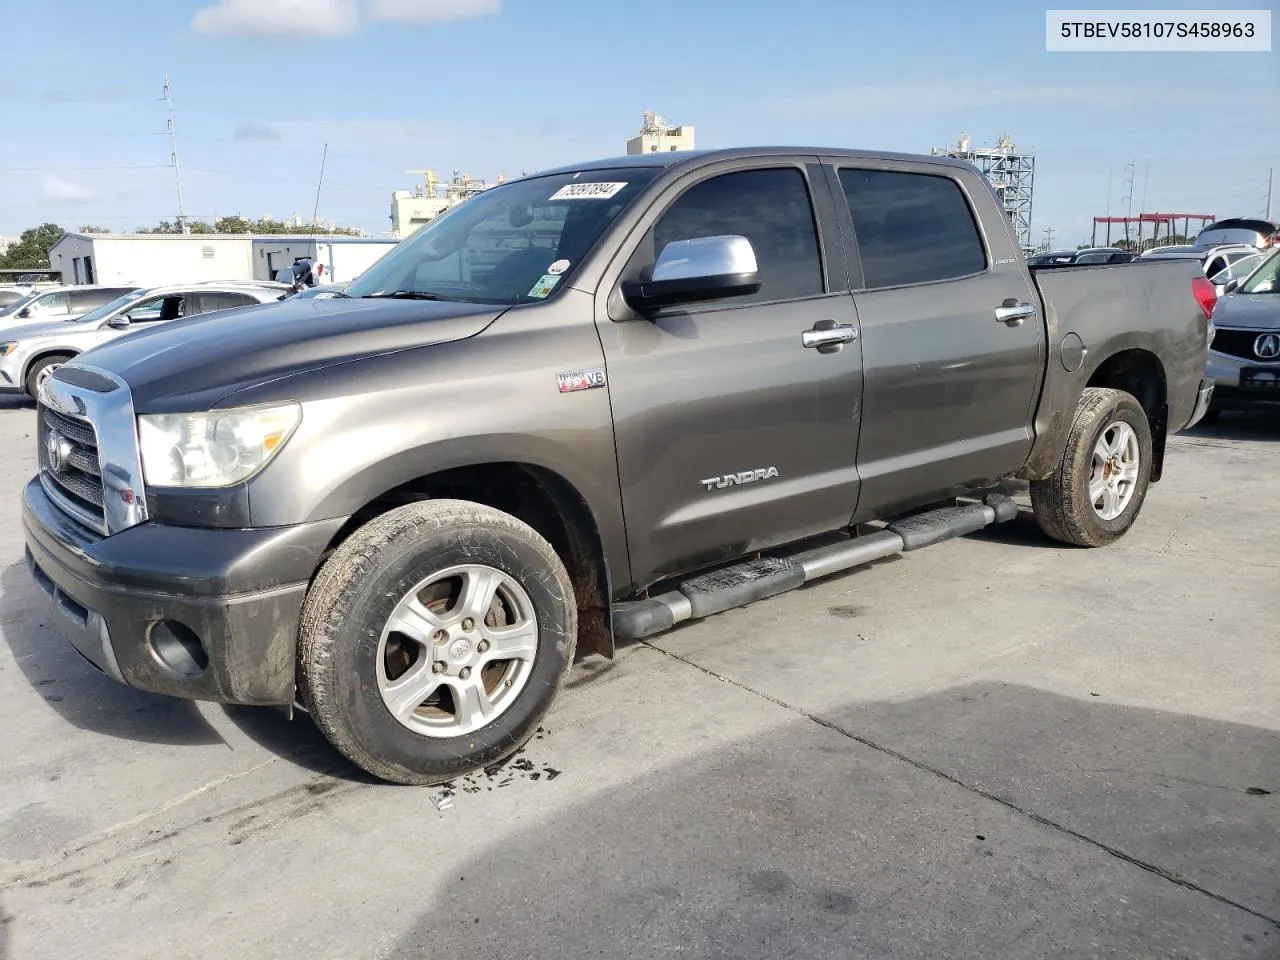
488, 86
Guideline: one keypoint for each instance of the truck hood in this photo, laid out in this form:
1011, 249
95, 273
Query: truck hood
193, 363
1259, 311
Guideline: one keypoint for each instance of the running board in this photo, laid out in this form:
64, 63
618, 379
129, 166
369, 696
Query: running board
753, 580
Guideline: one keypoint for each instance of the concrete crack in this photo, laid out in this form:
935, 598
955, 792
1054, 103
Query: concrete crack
1151, 868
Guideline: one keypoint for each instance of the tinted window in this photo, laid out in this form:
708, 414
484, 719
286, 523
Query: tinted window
1093, 258
209, 302
911, 227
771, 209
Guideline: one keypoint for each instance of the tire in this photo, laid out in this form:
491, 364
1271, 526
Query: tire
1063, 506
349, 653
39, 370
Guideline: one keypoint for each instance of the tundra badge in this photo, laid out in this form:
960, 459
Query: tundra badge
734, 479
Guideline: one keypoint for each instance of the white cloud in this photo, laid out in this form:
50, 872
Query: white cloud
56, 189
431, 11
278, 18
253, 130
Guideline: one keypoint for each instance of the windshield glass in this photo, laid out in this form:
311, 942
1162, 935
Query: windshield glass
1237, 269
515, 243
19, 304
1265, 279
108, 308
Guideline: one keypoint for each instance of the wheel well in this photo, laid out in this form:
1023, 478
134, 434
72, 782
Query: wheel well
1140, 373
66, 354
542, 499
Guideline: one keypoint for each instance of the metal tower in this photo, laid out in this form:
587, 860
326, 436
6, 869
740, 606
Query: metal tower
1010, 172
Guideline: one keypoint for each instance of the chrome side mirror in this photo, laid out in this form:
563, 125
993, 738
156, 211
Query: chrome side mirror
707, 268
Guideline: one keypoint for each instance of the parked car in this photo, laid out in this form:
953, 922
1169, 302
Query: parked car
1254, 231
408, 509
31, 353
59, 303
1212, 260
1082, 257
1244, 358
1236, 270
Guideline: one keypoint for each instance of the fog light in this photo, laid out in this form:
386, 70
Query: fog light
178, 648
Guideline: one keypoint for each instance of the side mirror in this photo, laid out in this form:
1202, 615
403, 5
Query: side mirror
121, 322
709, 268
1230, 286
24, 313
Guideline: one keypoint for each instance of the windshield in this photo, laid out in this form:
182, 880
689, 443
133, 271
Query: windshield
19, 304
1265, 279
1237, 268
108, 308
515, 243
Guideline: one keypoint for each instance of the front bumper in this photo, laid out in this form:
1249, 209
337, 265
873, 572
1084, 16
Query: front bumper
182, 611
1225, 371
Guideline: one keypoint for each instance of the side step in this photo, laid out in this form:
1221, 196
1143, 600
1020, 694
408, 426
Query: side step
753, 580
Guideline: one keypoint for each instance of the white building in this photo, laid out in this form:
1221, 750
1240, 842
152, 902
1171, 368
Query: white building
342, 258
410, 209
151, 259
659, 136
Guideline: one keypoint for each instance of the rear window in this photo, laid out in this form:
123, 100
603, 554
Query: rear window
911, 227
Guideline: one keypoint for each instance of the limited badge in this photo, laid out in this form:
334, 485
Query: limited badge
571, 381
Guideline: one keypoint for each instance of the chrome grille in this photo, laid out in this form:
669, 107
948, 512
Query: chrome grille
67, 450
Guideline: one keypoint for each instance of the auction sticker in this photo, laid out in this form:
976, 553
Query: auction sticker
587, 191
544, 286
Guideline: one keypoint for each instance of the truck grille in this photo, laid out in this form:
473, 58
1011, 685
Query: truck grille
1240, 344
67, 449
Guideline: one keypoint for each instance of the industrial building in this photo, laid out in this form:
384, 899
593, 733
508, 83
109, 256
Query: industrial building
659, 136
152, 259
1010, 171
410, 209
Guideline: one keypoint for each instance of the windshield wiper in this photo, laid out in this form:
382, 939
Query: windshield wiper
403, 295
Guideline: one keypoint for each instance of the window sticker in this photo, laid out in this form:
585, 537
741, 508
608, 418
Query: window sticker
557, 268
587, 191
544, 286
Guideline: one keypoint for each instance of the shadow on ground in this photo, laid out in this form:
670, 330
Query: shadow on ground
805, 842
16, 402
87, 699
1263, 424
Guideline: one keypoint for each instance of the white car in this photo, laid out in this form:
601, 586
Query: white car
58, 303
28, 355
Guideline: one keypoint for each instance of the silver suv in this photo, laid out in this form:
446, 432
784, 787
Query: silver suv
58, 303
30, 353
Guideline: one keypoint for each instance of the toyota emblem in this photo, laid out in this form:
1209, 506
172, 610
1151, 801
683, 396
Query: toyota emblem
1267, 346
58, 449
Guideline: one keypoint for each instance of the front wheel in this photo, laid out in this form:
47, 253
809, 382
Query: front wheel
40, 371
434, 640
1097, 489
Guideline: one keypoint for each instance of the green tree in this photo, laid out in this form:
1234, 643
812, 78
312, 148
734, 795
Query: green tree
265, 226
94, 230
32, 249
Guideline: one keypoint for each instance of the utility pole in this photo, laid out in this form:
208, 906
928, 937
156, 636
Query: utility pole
173, 145
1048, 239
316, 211
1271, 180
1127, 199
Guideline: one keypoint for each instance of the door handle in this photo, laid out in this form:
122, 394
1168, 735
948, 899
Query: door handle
1012, 312
827, 334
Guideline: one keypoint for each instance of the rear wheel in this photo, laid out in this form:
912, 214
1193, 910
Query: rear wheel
40, 371
434, 640
1097, 489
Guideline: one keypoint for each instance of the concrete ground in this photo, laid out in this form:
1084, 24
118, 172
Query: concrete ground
991, 748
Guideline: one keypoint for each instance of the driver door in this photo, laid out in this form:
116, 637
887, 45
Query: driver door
732, 435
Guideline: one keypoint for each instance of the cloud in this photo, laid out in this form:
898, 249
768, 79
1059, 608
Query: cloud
327, 18
253, 130
431, 11
56, 189
278, 18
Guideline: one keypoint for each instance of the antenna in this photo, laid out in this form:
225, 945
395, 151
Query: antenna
173, 146
315, 212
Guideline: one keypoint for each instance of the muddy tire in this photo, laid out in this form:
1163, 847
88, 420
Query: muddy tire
1097, 488
39, 371
435, 639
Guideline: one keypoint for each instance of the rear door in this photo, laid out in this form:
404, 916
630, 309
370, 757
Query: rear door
953, 342
208, 301
732, 435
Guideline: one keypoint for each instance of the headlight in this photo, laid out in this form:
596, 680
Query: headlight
7, 348
214, 449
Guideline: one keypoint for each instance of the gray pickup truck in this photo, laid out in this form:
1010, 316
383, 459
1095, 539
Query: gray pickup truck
585, 406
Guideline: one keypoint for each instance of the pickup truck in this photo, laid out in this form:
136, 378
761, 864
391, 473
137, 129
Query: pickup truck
581, 408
